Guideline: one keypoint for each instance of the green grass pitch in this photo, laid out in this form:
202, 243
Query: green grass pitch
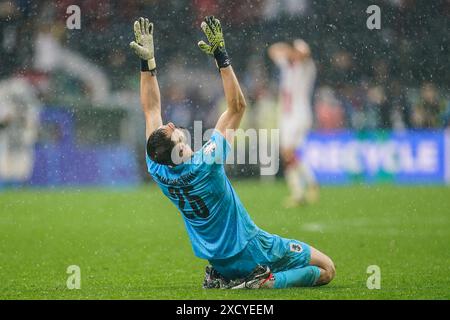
131, 244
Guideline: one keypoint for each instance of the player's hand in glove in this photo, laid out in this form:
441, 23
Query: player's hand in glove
143, 46
216, 44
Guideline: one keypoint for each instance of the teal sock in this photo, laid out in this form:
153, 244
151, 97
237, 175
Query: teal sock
300, 277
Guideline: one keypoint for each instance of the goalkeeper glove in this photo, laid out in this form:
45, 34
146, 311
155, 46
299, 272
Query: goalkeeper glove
216, 46
143, 46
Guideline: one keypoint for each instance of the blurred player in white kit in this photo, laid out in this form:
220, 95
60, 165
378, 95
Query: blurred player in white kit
298, 75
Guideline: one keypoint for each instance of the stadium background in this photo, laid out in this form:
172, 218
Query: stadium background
70, 120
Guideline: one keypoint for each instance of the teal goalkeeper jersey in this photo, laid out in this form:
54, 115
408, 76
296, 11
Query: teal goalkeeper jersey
216, 221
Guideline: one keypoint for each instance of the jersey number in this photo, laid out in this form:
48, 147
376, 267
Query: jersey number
196, 203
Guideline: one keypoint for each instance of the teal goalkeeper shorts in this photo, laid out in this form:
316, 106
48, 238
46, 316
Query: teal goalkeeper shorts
278, 253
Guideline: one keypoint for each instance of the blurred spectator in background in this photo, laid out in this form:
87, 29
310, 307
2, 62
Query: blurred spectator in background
342, 66
427, 112
446, 116
329, 110
401, 107
378, 106
376, 110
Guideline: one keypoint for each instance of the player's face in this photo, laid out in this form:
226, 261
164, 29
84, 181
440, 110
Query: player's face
176, 133
178, 136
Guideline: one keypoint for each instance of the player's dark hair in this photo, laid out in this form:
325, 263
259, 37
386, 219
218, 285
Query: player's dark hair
159, 147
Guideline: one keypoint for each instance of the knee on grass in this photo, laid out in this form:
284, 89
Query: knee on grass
327, 273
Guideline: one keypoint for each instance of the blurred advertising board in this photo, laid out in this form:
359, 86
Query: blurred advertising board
406, 157
57, 158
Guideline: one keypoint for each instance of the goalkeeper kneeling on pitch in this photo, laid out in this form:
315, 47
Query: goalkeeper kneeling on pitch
240, 254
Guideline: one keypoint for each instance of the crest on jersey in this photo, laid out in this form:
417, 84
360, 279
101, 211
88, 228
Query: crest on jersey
295, 247
209, 147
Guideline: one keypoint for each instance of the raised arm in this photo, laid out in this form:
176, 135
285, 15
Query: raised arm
150, 102
279, 52
150, 95
236, 104
231, 118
